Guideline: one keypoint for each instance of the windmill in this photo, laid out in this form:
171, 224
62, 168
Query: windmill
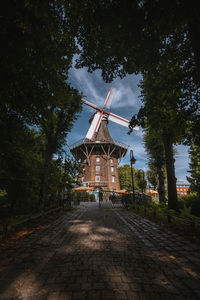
98, 152
102, 113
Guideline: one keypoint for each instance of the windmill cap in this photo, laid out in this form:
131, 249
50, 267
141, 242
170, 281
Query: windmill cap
104, 118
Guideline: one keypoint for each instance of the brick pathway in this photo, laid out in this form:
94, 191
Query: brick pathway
101, 254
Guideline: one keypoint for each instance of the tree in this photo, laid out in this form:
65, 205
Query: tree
37, 105
155, 150
128, 36
194, 178
20, 165
152, 177
126, 181
125, 177
55, 123
63, 175
140, 180
36, 54
166, 111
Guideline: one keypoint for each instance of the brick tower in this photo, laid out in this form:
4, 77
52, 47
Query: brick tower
99, 159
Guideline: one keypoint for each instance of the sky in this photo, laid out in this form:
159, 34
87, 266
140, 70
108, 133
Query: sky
126, 102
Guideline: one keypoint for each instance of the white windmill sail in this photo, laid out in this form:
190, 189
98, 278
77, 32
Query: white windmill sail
94, 125
121, 121
111, 94
96, 122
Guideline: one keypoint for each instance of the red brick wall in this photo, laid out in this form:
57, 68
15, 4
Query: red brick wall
105, 172
182, 190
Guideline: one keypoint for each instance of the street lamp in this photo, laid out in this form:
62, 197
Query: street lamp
132, 162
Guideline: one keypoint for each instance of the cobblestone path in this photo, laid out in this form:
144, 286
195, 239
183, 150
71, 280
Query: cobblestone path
101, 254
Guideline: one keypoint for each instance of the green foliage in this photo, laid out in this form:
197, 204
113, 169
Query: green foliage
165, 112
126, 181
2, 193
37, 105
125, 177
140, 180
191, 202
128, 37
155, 150
152, 177
36, 54
194, 179
185, 211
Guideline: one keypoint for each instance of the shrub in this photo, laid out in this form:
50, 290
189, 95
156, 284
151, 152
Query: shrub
191, 200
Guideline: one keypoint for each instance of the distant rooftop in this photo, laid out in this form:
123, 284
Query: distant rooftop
182, 183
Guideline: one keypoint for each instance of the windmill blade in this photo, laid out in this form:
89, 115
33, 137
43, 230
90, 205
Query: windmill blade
121, 121
94, 125
90, 104
108, 101
113, 92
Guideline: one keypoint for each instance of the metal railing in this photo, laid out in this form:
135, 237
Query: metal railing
114, 200
86, 141
170, 216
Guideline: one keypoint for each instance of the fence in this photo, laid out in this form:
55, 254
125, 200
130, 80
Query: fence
170, 216
110, 199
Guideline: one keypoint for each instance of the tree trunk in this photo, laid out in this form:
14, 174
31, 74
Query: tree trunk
45, 178
161, 185
171, 179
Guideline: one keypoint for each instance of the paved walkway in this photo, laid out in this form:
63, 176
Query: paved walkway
101, 254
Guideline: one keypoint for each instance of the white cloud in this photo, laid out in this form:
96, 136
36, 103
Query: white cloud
123, 94
81, 79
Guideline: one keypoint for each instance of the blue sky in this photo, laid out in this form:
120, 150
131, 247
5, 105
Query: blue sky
126, 102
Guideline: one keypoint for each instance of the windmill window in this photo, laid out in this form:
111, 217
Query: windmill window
113, 178
97, 168
112, 169
97, 178
97, 159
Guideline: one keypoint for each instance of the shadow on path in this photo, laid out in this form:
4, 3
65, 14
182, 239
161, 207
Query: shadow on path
101, 254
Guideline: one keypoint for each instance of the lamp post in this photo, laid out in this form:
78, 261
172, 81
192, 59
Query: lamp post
132, 162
